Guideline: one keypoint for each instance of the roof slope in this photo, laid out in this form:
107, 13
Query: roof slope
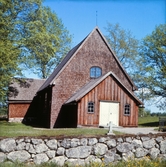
51, 78
21, 89
92, 84
72, 52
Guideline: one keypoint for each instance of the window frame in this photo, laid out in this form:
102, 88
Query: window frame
94, 70
91, 107
127, 109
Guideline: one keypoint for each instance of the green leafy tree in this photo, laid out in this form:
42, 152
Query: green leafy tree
31, 36
153, 52
8, 51
126, 48
38, 33
138, 76
124, 45
46, 41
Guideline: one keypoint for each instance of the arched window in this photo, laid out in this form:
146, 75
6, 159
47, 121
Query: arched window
95, 72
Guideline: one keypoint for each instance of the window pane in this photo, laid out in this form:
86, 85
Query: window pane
90, 107
95, 72
98, 72
92, 72
127, 109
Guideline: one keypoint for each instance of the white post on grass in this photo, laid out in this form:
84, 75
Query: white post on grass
110, 129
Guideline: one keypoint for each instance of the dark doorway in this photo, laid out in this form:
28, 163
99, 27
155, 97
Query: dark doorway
67, 117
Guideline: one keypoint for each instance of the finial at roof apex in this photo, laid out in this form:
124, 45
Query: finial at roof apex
96, 18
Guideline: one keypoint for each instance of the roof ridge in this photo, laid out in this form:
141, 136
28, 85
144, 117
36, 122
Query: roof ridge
69, 55
59, 67
28, 78
50, 80
108, 45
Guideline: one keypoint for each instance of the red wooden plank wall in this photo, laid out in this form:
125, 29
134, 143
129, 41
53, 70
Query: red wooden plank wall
18, 110
108, 90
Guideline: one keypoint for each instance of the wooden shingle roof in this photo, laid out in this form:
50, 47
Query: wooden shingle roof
24, 89
71, 53
92, 84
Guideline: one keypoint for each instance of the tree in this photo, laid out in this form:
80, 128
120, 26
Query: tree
124, 45
46, 42
126, 48
8, 51
38, 33
153, 51
31, 35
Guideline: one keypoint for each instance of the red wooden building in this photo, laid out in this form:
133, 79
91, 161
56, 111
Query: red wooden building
88, 88
20, 97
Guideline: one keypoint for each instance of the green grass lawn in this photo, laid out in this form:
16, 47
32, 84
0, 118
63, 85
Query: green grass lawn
148, 121
18, 129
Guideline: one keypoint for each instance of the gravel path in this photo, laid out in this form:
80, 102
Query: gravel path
145, 130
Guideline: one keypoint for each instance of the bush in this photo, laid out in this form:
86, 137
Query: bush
158, 114
3, 111
145, 162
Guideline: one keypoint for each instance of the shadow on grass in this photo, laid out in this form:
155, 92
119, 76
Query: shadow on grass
3, 118
150, 124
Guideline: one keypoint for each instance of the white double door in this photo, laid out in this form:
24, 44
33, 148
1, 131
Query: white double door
109, 111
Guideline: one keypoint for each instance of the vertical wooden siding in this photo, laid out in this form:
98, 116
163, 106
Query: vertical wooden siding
108, 90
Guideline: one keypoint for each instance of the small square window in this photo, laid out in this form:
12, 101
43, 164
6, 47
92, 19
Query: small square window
127, 109
90, 107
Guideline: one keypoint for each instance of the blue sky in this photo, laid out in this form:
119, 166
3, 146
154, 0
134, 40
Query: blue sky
138, 16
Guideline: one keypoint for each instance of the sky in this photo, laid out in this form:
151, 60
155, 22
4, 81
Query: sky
80, 17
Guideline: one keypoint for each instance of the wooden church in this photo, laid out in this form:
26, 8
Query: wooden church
88, 88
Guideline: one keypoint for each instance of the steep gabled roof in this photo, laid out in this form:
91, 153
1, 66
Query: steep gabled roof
71, 53
51, 78
24, 89
92, 84
116, 58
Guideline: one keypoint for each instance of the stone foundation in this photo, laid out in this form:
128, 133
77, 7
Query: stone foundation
15, 119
